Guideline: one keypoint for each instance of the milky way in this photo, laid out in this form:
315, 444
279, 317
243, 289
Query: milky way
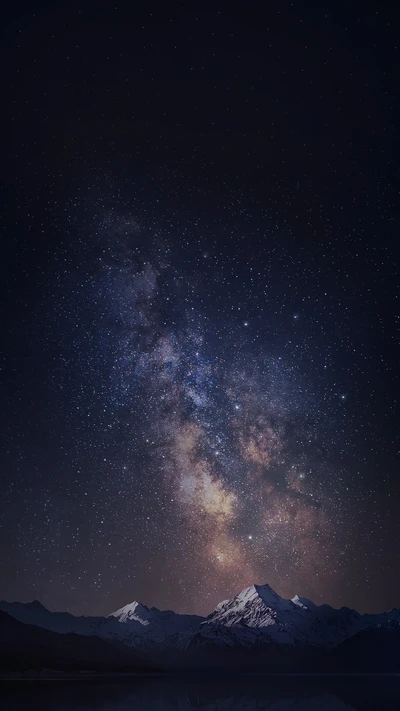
228, 432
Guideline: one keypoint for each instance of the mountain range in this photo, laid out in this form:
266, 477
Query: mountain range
255, 630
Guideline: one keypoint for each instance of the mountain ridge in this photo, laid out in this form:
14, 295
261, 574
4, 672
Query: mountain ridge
255, 619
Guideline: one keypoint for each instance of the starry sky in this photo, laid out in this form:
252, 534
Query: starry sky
200, 332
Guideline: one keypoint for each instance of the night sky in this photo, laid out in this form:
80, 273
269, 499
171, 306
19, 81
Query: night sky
200, 332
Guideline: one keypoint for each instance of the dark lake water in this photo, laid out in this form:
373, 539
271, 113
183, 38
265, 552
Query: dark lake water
205, 694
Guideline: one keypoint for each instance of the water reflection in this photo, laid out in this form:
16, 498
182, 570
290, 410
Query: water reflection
250, 693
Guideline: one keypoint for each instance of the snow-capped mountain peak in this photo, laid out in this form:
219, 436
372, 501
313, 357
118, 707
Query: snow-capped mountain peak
256, 607
261, 596
135, 611
271, 599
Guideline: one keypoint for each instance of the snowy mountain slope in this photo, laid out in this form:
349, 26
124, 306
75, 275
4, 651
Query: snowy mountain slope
166, 621
259, 615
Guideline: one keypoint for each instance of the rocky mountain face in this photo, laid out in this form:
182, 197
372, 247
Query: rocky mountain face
259, 613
